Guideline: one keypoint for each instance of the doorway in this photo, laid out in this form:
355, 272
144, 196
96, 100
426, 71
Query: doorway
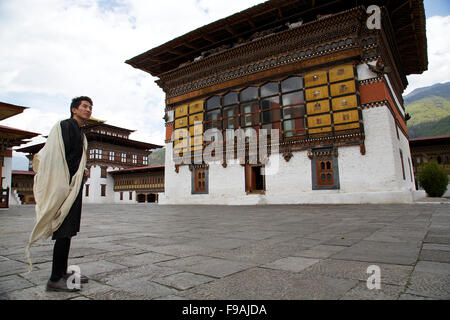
254, 179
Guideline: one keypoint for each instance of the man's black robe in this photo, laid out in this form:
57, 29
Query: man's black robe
73, 145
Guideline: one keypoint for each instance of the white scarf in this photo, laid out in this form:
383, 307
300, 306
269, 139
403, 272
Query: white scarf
53, 194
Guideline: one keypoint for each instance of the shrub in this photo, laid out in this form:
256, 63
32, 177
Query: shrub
433, 179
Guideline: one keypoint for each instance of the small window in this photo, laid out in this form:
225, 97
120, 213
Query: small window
213, 119
325, 173
111, 156
293, 98
270, 103
130, 195
294, 127
269, 89
124, 157
103, 172
87, 190
134, 159
230, 117
121, 195
199, 180
410, 169
230, 98
403, 166
251, 93
293, 112
396, 129
145, 160
103, 190
291, 84
213, 103
250, 114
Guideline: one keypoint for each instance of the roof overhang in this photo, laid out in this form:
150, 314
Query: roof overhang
8, 110
93, 136
11, 137
138, 169
407, 18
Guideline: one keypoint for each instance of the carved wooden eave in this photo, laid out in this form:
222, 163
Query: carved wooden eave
407, 17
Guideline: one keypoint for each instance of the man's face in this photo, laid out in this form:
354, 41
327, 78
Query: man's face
84, 111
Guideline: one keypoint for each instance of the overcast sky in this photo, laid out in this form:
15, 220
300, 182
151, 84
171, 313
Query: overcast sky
54, 50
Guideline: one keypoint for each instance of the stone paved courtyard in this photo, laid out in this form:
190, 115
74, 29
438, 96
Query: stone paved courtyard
243, 252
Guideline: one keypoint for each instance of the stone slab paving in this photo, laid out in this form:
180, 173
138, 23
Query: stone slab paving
148, 251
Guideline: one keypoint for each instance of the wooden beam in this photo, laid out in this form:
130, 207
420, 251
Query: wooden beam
230, 31
208, 38
399, 7
403, 27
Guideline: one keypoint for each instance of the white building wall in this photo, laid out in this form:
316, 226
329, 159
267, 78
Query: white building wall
126, 197
95, 181
7, 178
375, 177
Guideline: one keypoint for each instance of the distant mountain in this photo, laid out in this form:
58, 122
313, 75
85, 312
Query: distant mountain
429, 108
157, 157
438, 90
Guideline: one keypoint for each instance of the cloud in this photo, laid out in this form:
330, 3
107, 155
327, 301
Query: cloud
438, 55
58, 49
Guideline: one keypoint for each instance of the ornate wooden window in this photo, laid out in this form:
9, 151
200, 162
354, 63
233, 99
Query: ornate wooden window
111, 156
199, 180
145, 160
270, 106
249, 107
293, 106
103, 172
410, 170
403, 166
230, 111
124, 157
134, 158
325, 173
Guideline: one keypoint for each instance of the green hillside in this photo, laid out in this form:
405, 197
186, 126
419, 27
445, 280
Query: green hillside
157, 157
429, 109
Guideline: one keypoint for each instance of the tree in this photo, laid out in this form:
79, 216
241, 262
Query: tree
433, 179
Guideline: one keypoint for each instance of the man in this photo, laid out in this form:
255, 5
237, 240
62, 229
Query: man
60, 175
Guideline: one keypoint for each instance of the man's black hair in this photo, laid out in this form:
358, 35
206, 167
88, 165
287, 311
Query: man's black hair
77, 101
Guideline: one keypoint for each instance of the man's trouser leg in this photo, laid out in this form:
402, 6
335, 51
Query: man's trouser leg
60, 258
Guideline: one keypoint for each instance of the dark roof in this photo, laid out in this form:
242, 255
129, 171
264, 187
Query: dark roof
15, 137
104, 125
22, 172
138, 169
407, 18
94, 136
31, 149
430, 141
8, 110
